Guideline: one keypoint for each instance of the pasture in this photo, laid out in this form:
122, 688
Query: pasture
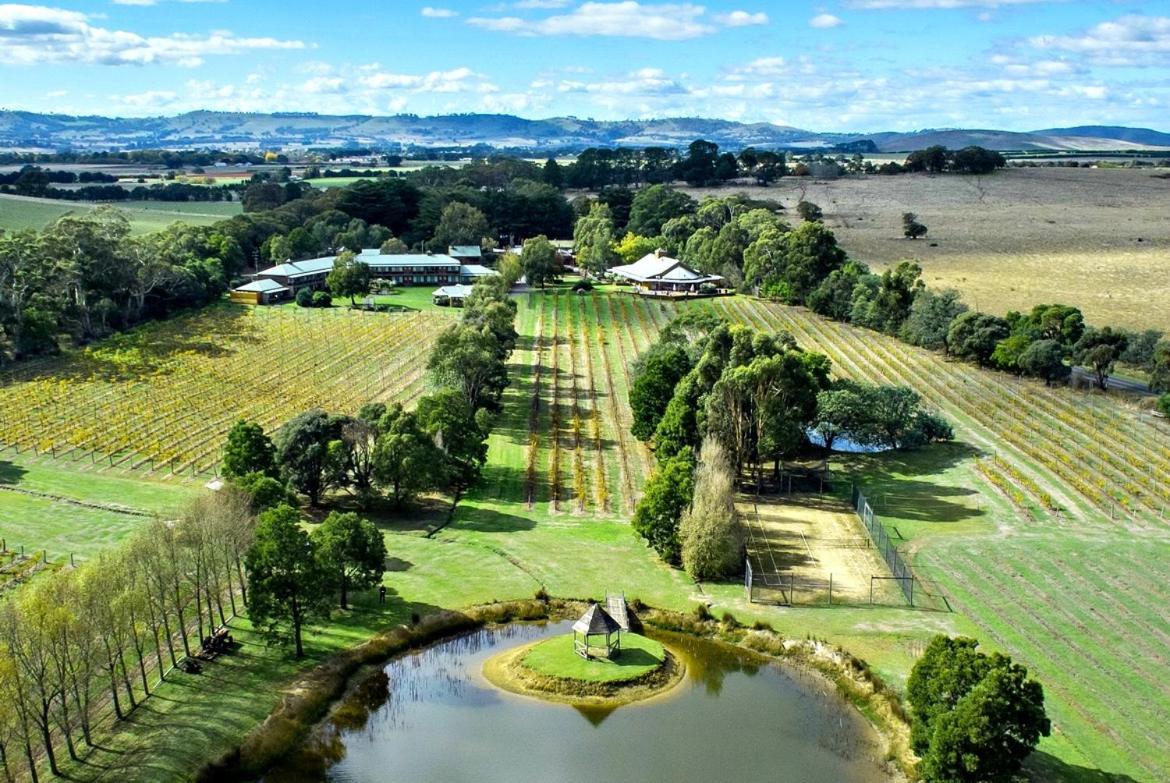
1044, 524
20, 212
1095, 238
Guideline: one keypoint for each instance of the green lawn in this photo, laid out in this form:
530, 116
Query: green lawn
145, 216
59, 524
556, 657
413, 297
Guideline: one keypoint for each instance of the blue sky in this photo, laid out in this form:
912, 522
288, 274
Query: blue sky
837, 65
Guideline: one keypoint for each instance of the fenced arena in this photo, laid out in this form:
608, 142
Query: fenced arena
818, 550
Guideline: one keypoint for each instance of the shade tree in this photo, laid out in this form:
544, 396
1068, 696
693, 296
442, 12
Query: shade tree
975, 717
291, 586
353, 549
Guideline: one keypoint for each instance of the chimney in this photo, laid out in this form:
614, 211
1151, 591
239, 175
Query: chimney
659, 253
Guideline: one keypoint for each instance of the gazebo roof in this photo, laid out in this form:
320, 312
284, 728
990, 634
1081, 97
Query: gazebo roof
596, 621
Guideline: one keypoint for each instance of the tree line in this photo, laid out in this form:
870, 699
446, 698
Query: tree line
82, 641
722, 405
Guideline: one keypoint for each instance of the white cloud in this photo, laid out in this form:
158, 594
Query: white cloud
926, 4
461, 79
1129, 40
324, 85
742, 19
437, 13
825, 21
628, 19
33, 34
644, 82
540, 4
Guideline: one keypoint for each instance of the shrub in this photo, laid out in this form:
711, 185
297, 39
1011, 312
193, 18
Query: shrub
322, 299
582, 285
702, 613
708, 288
305, 298
541, 595
1164, 404
710, 531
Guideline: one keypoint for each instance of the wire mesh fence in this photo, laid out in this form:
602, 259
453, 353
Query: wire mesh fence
767, 581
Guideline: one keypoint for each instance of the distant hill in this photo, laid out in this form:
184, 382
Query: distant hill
29, 130
1143, 136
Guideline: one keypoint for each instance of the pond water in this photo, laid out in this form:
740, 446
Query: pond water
843, 445
430, 716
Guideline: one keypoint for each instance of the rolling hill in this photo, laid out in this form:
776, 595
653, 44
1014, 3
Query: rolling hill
28, 130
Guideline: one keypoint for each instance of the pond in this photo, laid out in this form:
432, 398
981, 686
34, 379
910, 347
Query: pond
430, 716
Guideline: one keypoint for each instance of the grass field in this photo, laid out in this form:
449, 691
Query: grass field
1095, 238
18, 212
1043, 524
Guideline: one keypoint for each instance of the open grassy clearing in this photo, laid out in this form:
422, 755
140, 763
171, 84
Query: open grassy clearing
1014, 239
161, 398
1041, 476
46, 506
19, 212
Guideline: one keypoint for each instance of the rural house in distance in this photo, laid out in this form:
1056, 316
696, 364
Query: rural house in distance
657, 274
281, 282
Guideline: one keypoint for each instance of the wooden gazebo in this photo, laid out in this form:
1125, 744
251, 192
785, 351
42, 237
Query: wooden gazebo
593, 627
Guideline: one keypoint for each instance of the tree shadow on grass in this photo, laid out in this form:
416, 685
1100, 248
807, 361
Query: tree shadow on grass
897, 483
11, 474
488, 520
1042, 766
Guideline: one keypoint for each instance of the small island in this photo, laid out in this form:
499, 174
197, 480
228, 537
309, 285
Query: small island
598, 664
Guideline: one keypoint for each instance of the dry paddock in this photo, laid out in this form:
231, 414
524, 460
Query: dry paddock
1095, 238
813, 541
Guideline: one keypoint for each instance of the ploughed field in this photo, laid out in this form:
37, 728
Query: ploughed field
1043, 524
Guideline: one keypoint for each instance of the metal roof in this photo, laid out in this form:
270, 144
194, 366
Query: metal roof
657, 267
309, 266
262, 287
475, 270
414, 259
596, 621
466, 251
369, 256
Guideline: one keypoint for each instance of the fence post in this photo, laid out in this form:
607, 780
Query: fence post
830, 588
